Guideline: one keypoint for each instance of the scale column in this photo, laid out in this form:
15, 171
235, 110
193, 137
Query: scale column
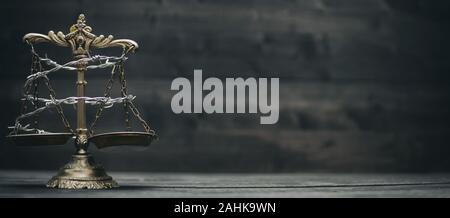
81, 171
81, 140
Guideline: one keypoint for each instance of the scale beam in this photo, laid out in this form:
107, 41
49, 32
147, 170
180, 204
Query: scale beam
80, 39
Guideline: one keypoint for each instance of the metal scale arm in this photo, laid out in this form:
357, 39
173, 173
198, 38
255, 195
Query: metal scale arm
81, 34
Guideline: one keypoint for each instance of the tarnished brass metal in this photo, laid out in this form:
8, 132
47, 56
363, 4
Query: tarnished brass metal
122, 138
82, 172
80, 39
40, 139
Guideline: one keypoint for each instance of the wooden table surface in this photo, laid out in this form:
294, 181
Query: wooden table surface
32, 184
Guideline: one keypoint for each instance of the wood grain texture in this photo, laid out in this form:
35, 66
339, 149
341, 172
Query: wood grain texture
32, 184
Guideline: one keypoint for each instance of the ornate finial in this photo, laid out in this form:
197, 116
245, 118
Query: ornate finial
81, 20
80, 39
80, 25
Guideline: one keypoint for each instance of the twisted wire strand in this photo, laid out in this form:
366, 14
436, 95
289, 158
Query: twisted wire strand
19, 127
49, 103
105, 62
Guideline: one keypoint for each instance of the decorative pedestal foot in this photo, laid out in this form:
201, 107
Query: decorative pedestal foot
82, 173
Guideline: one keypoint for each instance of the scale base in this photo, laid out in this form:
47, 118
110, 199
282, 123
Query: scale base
82, 173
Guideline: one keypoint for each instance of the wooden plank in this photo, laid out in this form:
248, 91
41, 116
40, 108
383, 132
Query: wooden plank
31, 184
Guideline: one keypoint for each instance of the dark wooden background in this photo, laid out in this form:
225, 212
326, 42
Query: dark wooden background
364, 83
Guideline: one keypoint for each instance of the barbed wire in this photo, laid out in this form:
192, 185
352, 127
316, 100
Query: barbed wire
105, 62
107, 101
19, 127
88, 63
49, 103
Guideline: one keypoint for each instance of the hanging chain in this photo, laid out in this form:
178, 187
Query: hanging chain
136, 113
58, 107
36, 66
107, 93
128, 105
124, 93
52, 94
27, 88
131, 105
35, 100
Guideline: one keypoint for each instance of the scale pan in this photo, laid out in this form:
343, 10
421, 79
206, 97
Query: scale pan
40, 139
122, 138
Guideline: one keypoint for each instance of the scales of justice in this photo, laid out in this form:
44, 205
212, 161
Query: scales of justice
81, 171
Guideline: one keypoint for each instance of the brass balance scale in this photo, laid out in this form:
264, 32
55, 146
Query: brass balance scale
81, 171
